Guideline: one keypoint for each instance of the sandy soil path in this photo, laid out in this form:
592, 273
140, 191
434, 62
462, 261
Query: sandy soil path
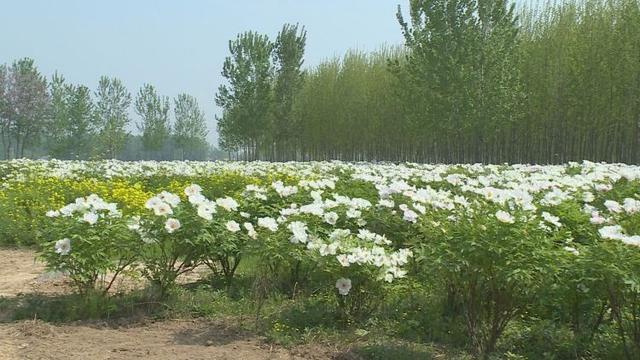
21, 273
176, 339
170, 339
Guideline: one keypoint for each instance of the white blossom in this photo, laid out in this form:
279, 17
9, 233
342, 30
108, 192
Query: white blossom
171, 225
504, 217
344, 286
63, 246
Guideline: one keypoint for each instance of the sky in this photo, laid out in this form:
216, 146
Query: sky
179, 46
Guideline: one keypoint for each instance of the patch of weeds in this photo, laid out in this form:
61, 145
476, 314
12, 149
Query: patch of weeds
291, 322
73, 307
206, 301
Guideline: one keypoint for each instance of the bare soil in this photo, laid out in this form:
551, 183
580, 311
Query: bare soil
169, 339
21, 273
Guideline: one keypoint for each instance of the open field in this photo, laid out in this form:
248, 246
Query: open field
468, 190
340, 260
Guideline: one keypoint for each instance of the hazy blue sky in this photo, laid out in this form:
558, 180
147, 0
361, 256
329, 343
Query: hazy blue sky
178, 46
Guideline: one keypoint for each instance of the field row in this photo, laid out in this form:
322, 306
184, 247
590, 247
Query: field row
491, 246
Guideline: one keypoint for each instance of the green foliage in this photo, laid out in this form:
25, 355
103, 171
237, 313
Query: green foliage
476, 81
490, 269
190, 128
24, 108
246, 99
73, 126
112, 105
167, 253
288, 53
99, 248
581, 80
154, 113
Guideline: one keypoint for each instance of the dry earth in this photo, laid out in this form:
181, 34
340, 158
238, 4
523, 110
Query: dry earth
20, 273
170, 339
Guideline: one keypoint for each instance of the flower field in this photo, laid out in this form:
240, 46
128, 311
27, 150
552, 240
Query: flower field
520, 259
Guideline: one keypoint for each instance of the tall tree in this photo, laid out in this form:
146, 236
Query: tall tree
73, 124
458, 53
190, 128
4, 104
288, 56
154, 118
246, 98
27, 107
59, 116
112, 112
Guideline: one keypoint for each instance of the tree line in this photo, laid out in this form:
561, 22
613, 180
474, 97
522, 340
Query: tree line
41, 117
474, 81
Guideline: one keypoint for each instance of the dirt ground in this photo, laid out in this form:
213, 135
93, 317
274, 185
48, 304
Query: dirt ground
169, 339
20, 273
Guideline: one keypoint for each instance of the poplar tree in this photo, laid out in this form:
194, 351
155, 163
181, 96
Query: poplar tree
288, 58
26, 103
154, 119
246, 98
73, 124
112, 113
190, 128
4, 107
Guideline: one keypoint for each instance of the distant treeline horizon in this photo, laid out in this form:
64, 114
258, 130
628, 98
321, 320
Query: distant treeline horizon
42, 118
476, 81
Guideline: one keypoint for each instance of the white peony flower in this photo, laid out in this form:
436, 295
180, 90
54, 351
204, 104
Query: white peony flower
197, 199
91, 218
169, 198
504, 217
572, 250
551, 219
353, 213
232, 226
52, 213
192, 190
206, 211
588, 197
152, 203
227, 203
632, 240
386, 203
596, 218
172, 225
410, 215
421, 209
343, 260
162, 209
344, 286
312, 209
331, 218
268, 223
612, 232
613, 206
631, 206
299, 231
63, 246
68, 210
326, 250
251, 231
283, 190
